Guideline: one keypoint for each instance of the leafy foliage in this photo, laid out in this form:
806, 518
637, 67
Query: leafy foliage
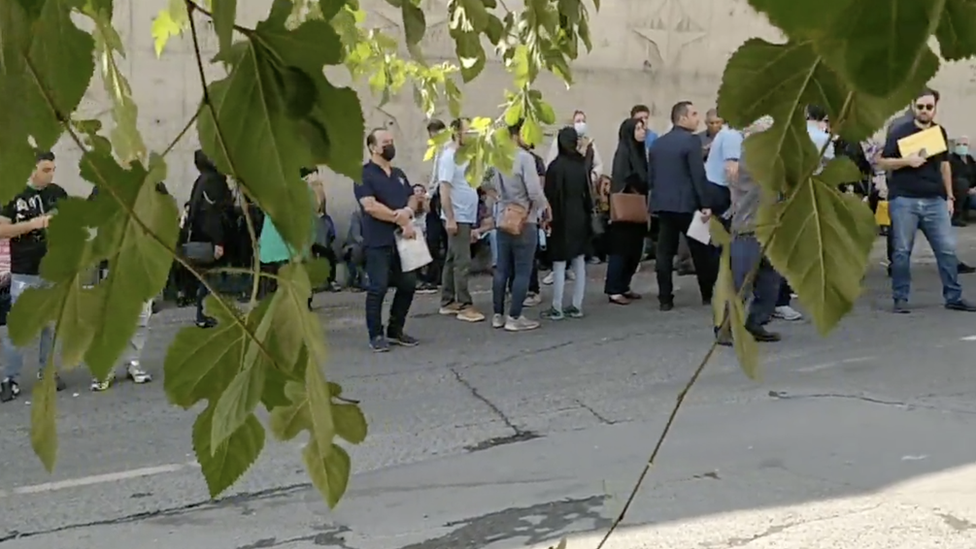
276, 110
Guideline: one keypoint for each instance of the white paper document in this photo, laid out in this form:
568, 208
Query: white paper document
699, 229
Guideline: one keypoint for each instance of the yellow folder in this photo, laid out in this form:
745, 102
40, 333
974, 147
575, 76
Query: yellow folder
928, 143
882, 215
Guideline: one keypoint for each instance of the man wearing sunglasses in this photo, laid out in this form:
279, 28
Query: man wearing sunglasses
920, 197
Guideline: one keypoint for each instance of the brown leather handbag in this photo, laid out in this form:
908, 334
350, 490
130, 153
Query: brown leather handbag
628, 208
513, 216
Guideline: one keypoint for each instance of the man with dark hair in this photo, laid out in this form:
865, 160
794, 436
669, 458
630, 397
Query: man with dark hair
920, 197
384, 196
435, 126
713, 125
679, 189
459, 210
24, 221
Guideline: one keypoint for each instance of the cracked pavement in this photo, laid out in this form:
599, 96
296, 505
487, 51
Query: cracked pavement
484, 439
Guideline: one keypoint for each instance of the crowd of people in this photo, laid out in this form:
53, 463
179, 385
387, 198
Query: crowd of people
557, 213
563, 212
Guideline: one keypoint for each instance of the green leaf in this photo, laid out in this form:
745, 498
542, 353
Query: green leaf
237, 403
44, 415
319, 406
780, 80
350, 423
46, 64
876, 44
168, 23
292, 319
414, 22
224, 464
267, 133
288, 421
819, 239
470, 53
224, 17
329, 472
125, 137
201, 363
746, 348
139, 264
957, 30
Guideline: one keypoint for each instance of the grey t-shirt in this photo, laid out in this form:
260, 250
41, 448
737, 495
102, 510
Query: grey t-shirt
522, 186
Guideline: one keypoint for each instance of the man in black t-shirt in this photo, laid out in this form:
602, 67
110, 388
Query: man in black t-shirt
24, 221
920, 197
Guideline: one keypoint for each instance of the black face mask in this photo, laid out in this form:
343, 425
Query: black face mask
388, 153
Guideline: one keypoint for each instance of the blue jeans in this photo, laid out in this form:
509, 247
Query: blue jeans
516, 257
13, 358
931, 215
383, 271
745, 252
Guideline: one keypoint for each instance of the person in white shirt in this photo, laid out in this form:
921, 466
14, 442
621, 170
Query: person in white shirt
459, 205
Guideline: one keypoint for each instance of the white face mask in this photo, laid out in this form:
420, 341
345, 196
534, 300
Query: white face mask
580, 128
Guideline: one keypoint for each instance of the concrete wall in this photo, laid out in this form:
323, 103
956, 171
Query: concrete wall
654, 52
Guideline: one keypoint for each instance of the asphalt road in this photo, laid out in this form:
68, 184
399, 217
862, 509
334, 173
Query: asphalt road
480, 438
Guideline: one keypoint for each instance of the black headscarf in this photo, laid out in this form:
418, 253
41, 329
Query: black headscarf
629, 171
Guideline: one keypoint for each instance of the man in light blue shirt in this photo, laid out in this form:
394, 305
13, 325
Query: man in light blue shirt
459, 210
722, 163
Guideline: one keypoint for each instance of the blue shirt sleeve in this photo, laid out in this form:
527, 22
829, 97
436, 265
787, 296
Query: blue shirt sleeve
364, 188
732, 146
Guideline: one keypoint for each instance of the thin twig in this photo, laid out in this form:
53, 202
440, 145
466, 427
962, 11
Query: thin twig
724, 325
186, 128
192, 6
222, 141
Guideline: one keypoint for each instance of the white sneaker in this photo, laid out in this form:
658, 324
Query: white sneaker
787, 313
137, 374
520, 324
532, 300
497, 321
547, 280
570, 275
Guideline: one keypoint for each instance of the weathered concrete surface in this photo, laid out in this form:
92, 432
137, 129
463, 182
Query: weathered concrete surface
863, 439
652, 52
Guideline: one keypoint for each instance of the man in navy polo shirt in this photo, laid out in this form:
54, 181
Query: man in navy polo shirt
384, 196
920, 197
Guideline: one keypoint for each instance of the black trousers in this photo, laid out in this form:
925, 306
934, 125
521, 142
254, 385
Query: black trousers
705, 257
383, 270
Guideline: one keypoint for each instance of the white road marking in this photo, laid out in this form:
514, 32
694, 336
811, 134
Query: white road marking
968, 338
834, 364
96, 479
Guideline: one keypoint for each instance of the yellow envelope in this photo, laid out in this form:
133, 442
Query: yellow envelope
929, 142
881, 215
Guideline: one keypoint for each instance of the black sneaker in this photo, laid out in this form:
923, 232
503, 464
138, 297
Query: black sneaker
403, 340
666, 305
206, 322
762, 335
59, 383
379, 344
9, 390
901, 307
964, 269
961, 305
